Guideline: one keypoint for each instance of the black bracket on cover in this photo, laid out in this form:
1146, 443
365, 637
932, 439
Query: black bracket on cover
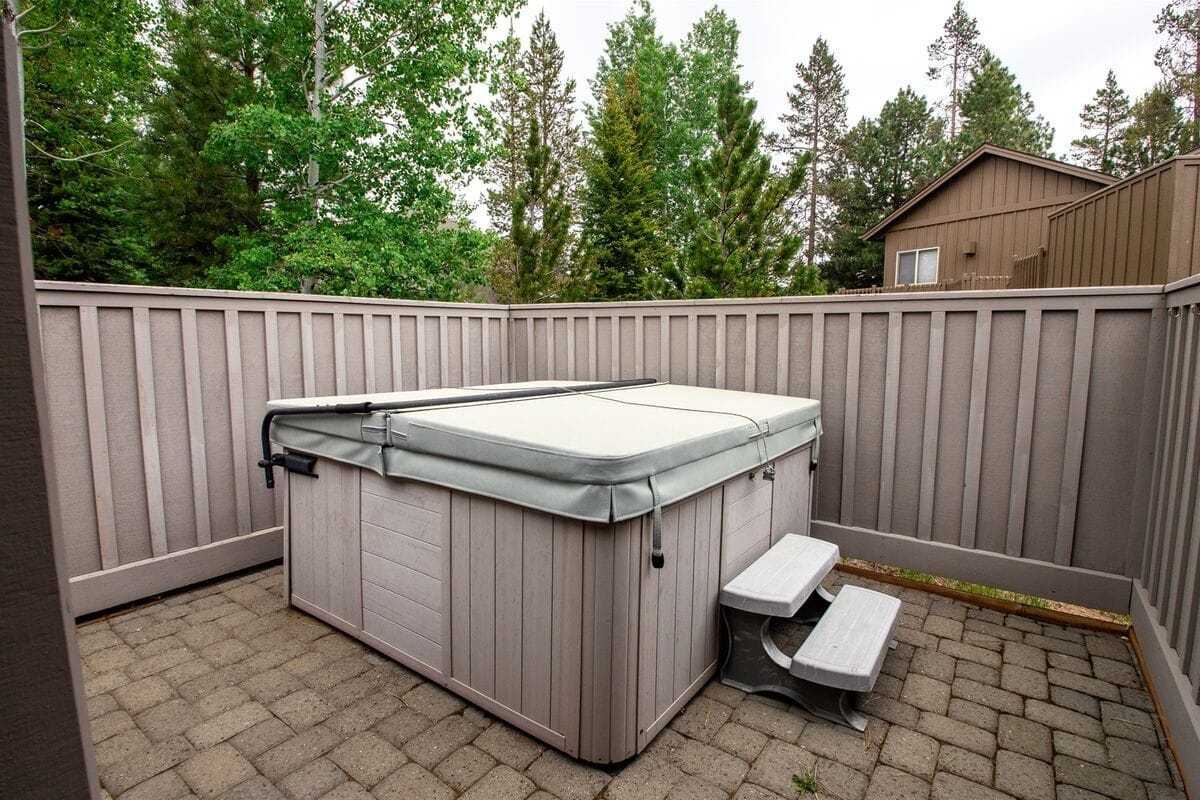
292, 462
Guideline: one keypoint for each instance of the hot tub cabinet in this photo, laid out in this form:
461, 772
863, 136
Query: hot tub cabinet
504, 550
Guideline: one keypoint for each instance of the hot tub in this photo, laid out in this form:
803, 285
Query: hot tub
509, 546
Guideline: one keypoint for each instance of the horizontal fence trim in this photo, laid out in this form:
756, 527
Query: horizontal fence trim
148, 427
891, 403
1175, 692
193, 388
1081, 376
1023, 435
933, 410
93, 385
850, 417
237, 414
1083, 587
976, 420
97, 591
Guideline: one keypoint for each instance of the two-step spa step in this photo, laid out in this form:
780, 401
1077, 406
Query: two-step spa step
845, 650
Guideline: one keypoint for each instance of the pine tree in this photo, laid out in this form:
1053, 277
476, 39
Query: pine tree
888, 159
1104, 120
709, 58
738, 245
625, 249
88, 74
531, 91
1179, 59
953, 56
996, 110
1155, 131
193, 201
813, 129
540, 222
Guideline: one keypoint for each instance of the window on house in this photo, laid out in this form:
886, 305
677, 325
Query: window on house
917, 266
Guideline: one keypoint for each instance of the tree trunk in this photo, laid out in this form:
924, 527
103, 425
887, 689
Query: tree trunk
314, 109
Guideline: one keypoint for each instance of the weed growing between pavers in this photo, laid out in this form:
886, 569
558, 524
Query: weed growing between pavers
806, 783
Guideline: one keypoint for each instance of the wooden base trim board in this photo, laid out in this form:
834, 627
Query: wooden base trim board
97, 591
1082, 587
1170, 688
993, 603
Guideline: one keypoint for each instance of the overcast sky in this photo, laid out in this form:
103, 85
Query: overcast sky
1059, 50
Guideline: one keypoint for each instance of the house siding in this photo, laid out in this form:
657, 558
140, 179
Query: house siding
999, 203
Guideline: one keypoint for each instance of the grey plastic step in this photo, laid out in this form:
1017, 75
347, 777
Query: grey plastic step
779, 582
847, 647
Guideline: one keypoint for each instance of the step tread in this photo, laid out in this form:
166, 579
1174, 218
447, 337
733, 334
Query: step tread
782, 578
847, 647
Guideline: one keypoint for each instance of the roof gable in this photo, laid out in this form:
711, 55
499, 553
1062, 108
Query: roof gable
977, 155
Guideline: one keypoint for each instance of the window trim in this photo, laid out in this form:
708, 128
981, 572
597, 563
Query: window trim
917, 265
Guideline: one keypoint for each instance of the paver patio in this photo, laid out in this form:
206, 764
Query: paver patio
222, 691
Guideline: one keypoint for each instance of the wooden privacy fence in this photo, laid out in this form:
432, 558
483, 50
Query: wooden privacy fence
1015, 427
155, 400
1028, 272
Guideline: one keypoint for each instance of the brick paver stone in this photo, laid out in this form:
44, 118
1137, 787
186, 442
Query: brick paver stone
779, 761
1024, 777
947, 786
1025, 736
1096, 778
212, 771
412, 781
566, 778
313, 780
888, 783
464, 767
645, 778
913, 752
740, 741
926, 693
509, 746
429, 748
367, 758
1137, 759
502, 783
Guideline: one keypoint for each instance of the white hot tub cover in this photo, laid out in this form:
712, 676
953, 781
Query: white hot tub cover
599, 456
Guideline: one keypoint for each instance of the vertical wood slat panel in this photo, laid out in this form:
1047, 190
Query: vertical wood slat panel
571, 374
1023, 435
339, 352
1152, 555
816, 362
506, 354
639, 346
397, 353
551, 349
1081, 376
693, 348
891, 403
976, 418
593, 362
464, 355
1175, 480
271, 334
615, 352
850, 417
485, 339
195, 420
720, 355
1189, 431
422, 355
237, 413
783, 342
664, 348
749, 379
933, 410
530, 347
307, 357
93, 384
443, 350
368, 341
148, 422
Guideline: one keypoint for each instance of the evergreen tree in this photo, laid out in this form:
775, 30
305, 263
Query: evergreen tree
625, 248
738, 245
888, 159
813, 129
953, 56
996, 110
1104, 121
552, 96
88, 74
193, 201
540, 222
509, 107
709, 59
1155, 131
1179, 60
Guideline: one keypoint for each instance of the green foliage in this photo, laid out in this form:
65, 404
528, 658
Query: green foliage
624, 245
813, 129
537, 166
1179, 60
540, 223
87, 73
806, 783
737, 242
1105, 120
888, 159
953, 56
1155, 132
996, 110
